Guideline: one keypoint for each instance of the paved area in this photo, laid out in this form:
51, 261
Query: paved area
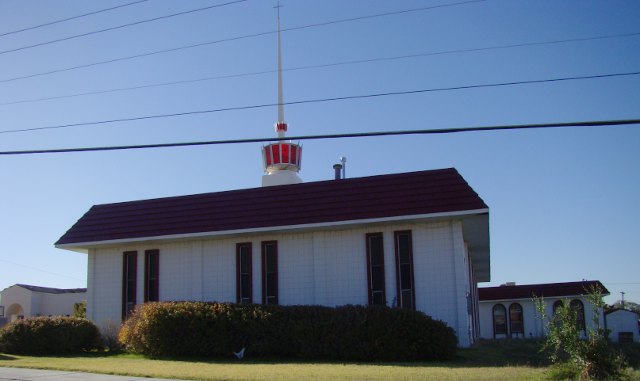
24, 374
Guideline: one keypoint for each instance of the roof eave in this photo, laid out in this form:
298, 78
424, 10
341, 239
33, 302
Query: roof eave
531, 298
83, 247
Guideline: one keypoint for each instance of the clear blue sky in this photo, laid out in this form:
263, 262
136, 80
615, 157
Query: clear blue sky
563, 202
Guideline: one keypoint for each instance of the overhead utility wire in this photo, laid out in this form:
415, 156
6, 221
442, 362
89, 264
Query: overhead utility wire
349, 97
38, 269
331, 64
71, 18
234, 39
119, 27
599, 123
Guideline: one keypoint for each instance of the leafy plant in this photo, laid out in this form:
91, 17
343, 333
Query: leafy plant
306, 332
49, 335
80, 310
590, 358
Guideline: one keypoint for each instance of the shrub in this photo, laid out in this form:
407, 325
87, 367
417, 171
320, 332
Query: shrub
586, 359
49, 335
80, 309
306, 332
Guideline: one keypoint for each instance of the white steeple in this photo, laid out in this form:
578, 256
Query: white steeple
281, 125
281, 160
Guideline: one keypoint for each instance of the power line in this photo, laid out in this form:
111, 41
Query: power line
38, 269
118, 27
333, 99
234, 39
600, 123
71, 18
333, 64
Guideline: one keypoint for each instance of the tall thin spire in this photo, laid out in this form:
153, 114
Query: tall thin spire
281, 125
281, 160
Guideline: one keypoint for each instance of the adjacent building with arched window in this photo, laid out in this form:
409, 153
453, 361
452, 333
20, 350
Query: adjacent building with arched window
22, 301
509, 311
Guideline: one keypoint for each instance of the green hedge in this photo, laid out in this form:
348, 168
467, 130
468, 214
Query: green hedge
354, 333
49, 336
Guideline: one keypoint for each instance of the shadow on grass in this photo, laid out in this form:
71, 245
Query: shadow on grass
5, 357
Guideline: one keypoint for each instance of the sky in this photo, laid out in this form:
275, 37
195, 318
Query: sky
563, 202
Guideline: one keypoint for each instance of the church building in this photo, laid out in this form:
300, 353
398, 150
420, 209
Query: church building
416, 240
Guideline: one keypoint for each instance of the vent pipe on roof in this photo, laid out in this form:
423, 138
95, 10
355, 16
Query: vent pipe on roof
338, 169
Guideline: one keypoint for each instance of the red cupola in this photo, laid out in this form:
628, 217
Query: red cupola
281, 156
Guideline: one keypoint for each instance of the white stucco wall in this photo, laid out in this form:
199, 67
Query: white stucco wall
59, 304
622, 321
533, 325
326, 267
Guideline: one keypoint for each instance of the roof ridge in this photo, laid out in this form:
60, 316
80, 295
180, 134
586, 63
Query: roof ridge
279, 187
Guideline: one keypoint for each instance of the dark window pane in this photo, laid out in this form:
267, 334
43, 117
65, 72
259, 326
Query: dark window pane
271, 265
403, 248
499, 319
375, 248
131, 268
272, 282
407, 299
153, 292
405, 277
246, 286
378, 298
244, 259
377, 278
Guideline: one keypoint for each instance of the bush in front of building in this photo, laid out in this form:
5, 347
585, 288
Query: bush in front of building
355, 333
593, 358
49, 336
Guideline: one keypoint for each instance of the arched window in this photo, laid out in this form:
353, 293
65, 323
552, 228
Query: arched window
577, 306
516, 321
499, 320
556, 305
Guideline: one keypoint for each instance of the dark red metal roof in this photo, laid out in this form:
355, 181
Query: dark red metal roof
402, 194
51, 290
547, 290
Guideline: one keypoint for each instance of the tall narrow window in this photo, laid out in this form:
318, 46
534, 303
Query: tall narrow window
243, 273
516, 323
404, 270
578, 307
270, 272
375, 269
499, 320
129, 270
151, 275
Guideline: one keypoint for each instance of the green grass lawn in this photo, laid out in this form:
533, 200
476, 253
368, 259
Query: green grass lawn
273, 370
503, 361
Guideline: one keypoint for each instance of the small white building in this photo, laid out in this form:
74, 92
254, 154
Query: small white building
22, 300
509, 311
623, 325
